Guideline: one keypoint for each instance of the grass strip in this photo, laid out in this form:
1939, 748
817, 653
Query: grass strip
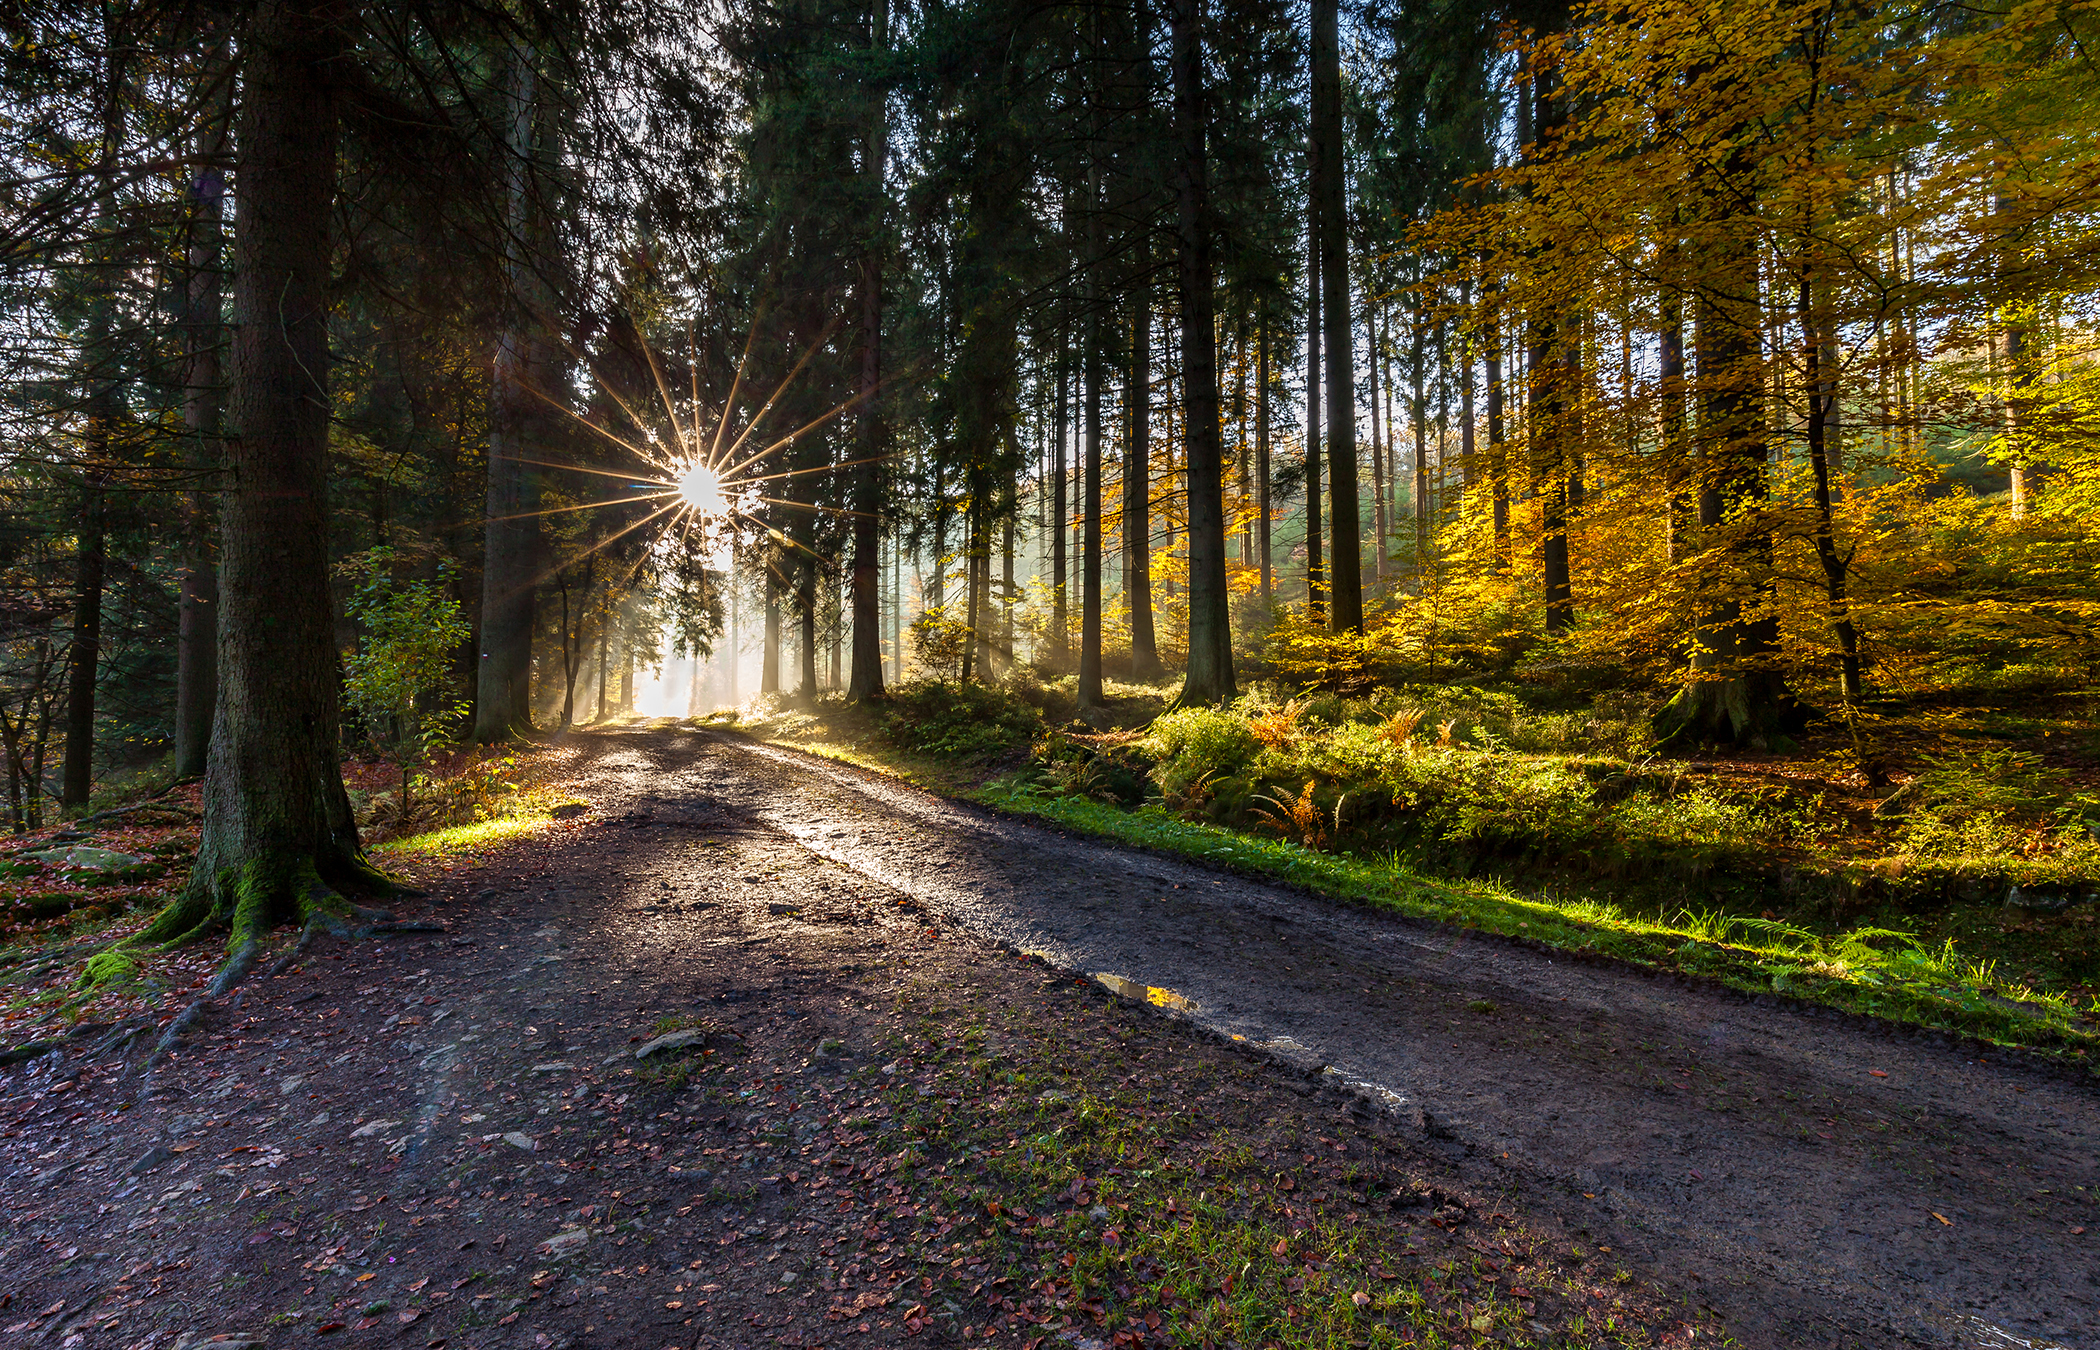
1874, 972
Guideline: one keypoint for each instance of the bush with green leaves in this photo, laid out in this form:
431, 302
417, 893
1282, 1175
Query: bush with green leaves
954, 720
401, 680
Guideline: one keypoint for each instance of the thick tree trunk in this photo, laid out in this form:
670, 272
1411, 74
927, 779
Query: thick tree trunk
1209, 678
203, 330
524, 375
865, 685
1346, 603
1137, 493
278, 831
1735, 695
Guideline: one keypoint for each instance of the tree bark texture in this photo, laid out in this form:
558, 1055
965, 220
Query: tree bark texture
278, 833
865, 682
1315, 574
203, 399
1137, 494
1209, 678
1735, 695
524, 377
1346, 602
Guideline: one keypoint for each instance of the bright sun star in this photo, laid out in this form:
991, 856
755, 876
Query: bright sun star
700, 489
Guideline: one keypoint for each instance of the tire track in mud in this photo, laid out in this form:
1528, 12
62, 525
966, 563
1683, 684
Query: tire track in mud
1749, 1148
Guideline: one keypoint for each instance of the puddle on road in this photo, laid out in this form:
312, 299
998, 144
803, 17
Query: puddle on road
1144, 993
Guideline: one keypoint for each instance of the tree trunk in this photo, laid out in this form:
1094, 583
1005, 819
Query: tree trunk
1209, 678
1347, 586
1137, 493
203, 330
99, 361
1735, 695
278, 831
1060, 614
866, 680
523, 376
1089, 694
1315, 574
1261, 464
1498, 451
1378, 470
1821, 384
769, 655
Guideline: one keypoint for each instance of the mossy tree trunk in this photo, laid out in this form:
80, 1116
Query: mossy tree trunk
279, 841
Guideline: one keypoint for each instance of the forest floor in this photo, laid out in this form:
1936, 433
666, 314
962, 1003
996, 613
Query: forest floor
902, 1113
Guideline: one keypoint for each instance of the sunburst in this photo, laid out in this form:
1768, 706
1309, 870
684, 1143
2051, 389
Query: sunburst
703, 471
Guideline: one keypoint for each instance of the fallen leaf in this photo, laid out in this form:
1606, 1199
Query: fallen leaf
1943, 1218
1360, 1299
1879, 1073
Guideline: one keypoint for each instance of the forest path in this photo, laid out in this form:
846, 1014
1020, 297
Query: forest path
1821, 1179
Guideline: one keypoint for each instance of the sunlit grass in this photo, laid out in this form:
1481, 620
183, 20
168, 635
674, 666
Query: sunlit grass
481, 834
1868, 970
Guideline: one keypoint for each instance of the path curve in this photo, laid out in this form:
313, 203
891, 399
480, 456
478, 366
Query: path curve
1750, 1151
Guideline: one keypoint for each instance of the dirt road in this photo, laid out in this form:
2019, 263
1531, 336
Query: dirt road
445, 1139
1822, 1180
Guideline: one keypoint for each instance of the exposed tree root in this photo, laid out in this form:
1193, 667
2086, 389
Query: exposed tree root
248, 903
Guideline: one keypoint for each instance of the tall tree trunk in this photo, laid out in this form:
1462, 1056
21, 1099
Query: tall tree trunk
278, 831
1347, 585
1209, 678
524, 375
1820, 383
1261, 463
1498, 450
1137, 492
203, 330
1060, 614
1676, 451
1089, 694
1735, 695
806, 617
866, 684
99, 361
1378, 521
1315, 573
769, 655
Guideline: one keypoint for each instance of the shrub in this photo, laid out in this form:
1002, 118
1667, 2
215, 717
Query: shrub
954, 719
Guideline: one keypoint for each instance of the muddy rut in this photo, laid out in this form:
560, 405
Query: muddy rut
1819, 1179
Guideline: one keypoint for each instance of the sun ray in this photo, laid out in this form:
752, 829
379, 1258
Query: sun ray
585, 506
585, 468
820, 510
791, 437
714, 455
789, 379
615, 537
663, 391
612, 392
635, 450
797, 473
